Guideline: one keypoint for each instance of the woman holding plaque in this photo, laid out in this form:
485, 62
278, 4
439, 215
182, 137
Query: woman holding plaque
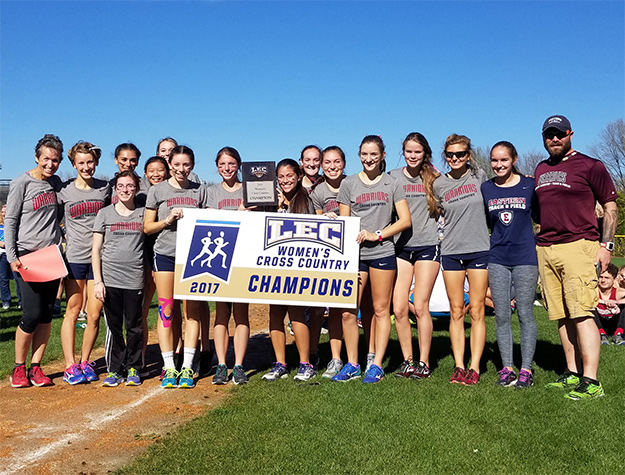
228, 195
372, 195
165, 206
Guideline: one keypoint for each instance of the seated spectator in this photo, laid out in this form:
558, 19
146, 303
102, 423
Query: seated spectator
620, 278
610, 312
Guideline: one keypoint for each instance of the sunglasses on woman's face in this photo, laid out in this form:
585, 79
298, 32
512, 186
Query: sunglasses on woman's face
460, 154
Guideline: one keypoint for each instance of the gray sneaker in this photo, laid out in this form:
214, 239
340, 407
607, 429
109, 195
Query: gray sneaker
238, 375
221, 375
305, 372
334, 366
618, 339
604, 339
370, 358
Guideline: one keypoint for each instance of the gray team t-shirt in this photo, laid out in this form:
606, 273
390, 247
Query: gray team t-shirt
374, 205
324, 198
163, 197
80, 208
32, 220
424, 231
122, 249
465, 228
217, 197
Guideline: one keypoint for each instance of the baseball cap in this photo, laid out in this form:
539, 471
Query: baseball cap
557, 122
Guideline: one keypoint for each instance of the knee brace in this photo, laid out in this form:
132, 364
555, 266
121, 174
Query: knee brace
162, 304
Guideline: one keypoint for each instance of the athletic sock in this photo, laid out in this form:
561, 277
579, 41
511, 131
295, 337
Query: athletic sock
619, 330
189, 353
168, 359
17, 365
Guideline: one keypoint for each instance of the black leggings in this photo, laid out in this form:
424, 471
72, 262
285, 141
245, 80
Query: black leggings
609, 325
37, 302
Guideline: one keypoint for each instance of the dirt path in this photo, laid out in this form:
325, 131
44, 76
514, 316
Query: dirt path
88, 429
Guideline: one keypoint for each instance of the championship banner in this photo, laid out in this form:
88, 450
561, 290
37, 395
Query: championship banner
273, 258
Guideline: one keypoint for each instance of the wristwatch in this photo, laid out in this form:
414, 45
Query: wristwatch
379, 234
609, 245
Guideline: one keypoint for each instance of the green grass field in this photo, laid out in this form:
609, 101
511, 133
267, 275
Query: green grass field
400, 426
396, 426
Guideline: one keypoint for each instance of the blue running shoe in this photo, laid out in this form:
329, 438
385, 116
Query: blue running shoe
374, 374
186, 379
170, 379
87, 369
112, 380
133, 378
348, 372
73, 375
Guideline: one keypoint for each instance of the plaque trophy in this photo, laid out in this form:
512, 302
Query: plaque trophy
259, 184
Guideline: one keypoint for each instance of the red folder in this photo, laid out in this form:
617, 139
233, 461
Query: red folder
43, 265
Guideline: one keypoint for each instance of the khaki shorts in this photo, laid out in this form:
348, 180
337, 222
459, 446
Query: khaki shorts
569, 278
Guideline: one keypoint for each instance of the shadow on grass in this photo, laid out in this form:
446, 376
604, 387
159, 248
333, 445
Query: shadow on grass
549, 356
260, 356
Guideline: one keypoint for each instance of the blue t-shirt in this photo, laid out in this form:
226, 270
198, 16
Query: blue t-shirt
509, 216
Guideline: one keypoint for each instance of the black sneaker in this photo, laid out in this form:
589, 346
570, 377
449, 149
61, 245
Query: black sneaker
405, 370
221, 375
238, 375
421, 371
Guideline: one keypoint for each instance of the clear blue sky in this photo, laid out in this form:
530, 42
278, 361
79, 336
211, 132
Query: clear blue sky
271, 77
